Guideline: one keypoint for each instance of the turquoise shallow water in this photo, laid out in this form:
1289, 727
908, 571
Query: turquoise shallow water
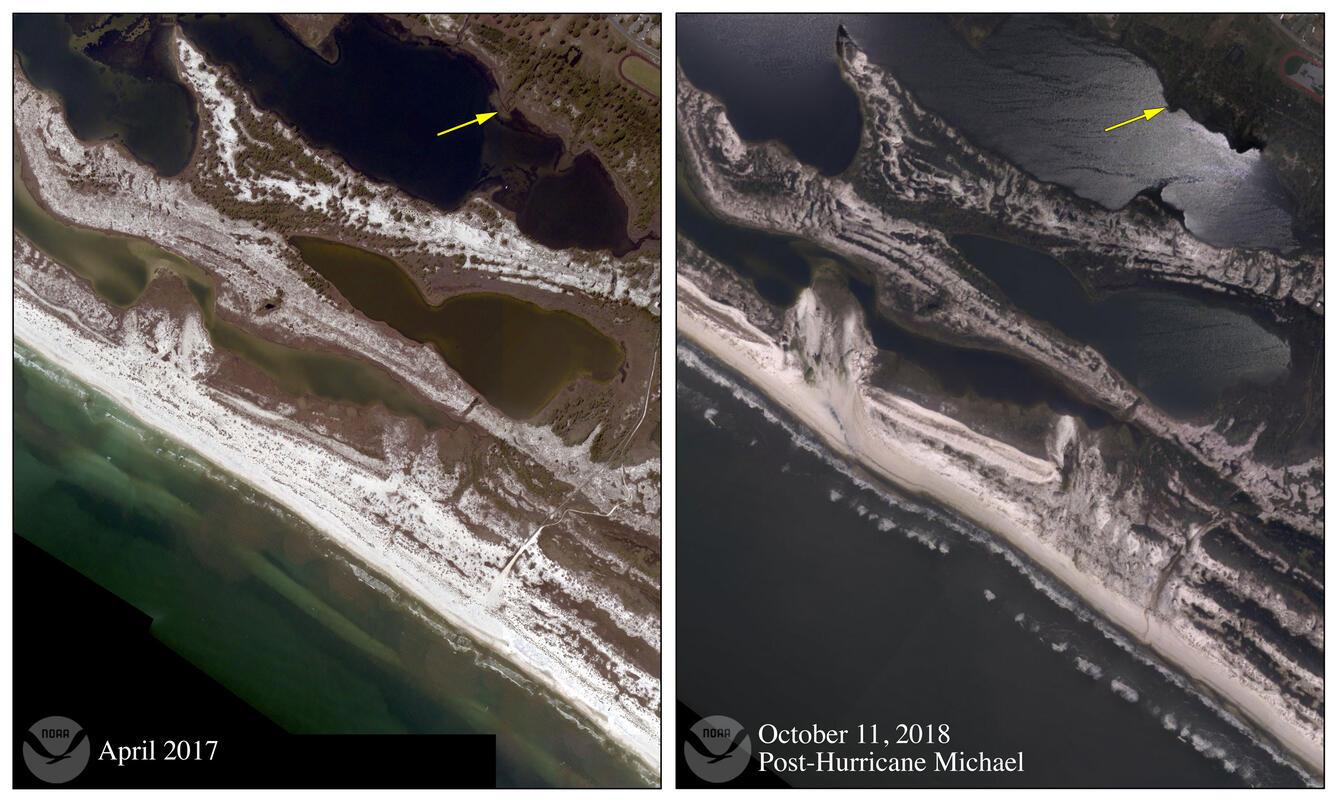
257, 599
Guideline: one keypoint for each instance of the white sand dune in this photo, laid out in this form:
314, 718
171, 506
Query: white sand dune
869, 426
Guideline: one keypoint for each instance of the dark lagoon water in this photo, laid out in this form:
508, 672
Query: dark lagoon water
808, 595
154, 118
254, 597
776, 269
120, 268
1041, 96
517, 354
577, 207
526, 172
241, 588
778, 77
781, 267
380, 105
1181, 350
1035, 93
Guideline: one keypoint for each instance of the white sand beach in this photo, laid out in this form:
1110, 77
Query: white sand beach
866, 426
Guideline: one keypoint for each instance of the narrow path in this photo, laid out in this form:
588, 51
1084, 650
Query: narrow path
1188, 550
560, 512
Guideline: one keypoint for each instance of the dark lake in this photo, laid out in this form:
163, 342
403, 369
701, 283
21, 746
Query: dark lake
809, 596
777, 271
517, 354
1181, 350
778, 77
1035, 93
154, 118
1041, 95
120, 268
380, 106
601, 210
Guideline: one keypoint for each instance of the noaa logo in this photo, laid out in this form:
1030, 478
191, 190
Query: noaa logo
717, 749
56, 749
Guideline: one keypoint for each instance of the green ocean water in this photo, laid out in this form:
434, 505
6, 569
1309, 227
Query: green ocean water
240, 587
260, 601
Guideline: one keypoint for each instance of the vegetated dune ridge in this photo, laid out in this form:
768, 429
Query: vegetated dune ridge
1174, 542
438, 512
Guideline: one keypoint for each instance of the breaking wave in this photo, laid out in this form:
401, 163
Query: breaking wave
956, 528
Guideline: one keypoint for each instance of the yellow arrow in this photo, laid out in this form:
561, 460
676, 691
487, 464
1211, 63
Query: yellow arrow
479, 119
1145, 115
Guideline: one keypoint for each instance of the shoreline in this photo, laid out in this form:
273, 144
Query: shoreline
467, 617
550, 123
505, 676
841, 418
373, 483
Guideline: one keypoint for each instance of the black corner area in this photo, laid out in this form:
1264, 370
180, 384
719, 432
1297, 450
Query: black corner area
150, 716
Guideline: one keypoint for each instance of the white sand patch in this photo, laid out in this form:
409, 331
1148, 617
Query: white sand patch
899, 443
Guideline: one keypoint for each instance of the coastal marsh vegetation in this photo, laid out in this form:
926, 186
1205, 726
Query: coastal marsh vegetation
1227, 71
121, 268
152, 117
568, 64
